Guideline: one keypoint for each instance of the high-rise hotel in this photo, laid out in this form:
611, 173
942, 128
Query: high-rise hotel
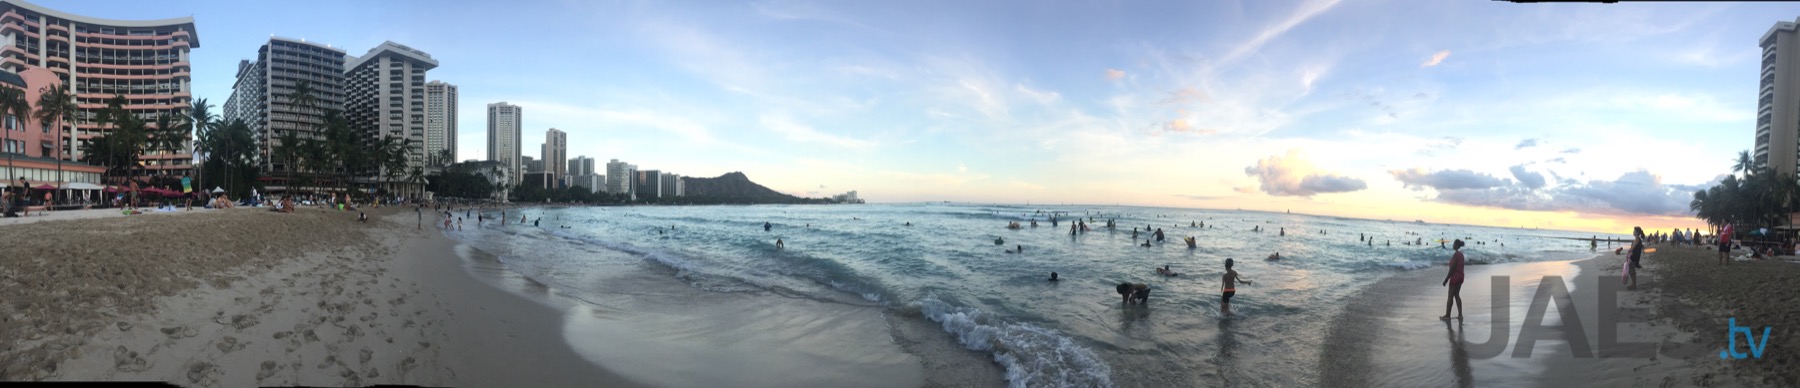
288, 88
1778, 100
144, 60
505, 128
440, 122
387, 96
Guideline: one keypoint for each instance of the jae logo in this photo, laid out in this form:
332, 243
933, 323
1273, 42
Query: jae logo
1756, 347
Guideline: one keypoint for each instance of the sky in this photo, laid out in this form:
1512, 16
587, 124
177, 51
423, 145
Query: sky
1588, 117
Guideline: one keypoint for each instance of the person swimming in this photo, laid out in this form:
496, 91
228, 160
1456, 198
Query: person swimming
908, 223
779, 244
1165, 271
1276, 256
1018, 249
999, 241
1053, 276
1146, 243
1191, 243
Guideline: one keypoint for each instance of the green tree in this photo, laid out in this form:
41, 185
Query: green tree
13, 106
57, 105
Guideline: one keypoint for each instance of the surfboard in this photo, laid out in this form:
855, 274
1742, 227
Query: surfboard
1625, 272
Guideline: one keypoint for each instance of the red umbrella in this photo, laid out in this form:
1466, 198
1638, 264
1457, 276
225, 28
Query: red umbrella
46, 187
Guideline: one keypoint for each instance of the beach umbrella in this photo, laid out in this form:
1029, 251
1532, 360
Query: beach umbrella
46, 187
217, 190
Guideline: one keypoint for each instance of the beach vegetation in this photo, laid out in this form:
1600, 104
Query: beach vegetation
1751, 197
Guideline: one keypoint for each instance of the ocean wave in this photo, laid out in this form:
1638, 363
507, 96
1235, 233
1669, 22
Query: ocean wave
1033, 356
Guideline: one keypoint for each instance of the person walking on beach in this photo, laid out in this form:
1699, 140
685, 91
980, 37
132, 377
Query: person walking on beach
1455, 281
1725, 245
1637, 252
1230, 287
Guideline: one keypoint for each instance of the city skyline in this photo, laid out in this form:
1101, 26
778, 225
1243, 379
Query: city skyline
1566, 116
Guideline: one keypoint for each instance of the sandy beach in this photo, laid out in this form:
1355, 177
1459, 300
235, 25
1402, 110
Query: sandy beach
248, 297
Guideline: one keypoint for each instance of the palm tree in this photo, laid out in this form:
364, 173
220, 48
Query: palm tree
57, 104
201, 126
13, 106
1744, 164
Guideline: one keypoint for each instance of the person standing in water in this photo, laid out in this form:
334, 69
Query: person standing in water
1454, 280
767, 226
1230, 279
779, 244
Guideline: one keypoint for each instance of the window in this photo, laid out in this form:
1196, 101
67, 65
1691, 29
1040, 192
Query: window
11, 122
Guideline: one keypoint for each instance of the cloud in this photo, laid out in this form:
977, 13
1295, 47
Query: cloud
1181, 125
1292, 175
1527, 178
805, 134
1571, 150
1305, 12
1435, 59
1185, 95
1419, 179
1115, 74
1203, 197
1634, 193
1527, 143
1445, 143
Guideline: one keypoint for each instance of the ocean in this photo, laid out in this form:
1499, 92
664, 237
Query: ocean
708, 284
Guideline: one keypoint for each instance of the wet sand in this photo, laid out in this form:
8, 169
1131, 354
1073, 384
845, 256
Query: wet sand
246, 297
1389, 334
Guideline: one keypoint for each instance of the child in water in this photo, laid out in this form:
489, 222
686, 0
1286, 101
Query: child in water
1134, 291
1231, 278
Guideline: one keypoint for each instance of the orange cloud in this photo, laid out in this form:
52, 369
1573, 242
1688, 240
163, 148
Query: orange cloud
1115, 74
1435, 59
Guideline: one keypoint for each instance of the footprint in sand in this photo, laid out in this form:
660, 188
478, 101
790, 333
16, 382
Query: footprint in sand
365, 356
179, 332
269, 368
407, 365
126, 360
230, 344
203, 374
242, 322
330, 359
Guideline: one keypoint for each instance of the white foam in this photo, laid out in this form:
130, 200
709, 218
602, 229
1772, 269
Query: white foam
1033, 356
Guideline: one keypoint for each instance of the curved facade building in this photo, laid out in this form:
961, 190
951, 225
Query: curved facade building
144, 60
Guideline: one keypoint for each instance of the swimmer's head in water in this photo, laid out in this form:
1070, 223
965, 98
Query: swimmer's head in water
1227, 263
1124, 288
1457, 245
1053, 276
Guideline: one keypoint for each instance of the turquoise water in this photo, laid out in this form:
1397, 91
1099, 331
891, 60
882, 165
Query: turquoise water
946, 270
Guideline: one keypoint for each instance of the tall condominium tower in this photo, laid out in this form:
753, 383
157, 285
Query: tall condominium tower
1778, 102
556, 156
288, 88
581, 165
504, 127
440, 123
619, 177
387, 97
144, 60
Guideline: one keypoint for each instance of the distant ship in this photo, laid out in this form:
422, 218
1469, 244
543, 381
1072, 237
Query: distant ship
1418, 221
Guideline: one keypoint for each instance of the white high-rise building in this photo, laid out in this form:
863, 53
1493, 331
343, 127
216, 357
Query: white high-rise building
619, 176
386, 99
440, 122
555, 153
505, 129
1778, 99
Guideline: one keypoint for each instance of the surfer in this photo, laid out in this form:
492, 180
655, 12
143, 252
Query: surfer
1230, 279
1134, 291
1190, 242
1454, 280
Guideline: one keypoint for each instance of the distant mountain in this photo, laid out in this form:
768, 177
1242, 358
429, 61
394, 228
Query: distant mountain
734, 187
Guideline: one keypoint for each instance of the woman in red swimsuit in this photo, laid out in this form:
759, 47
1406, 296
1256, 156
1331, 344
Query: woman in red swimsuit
1454, 280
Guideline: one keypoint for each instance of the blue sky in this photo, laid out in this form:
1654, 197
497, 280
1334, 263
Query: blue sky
1557, 115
